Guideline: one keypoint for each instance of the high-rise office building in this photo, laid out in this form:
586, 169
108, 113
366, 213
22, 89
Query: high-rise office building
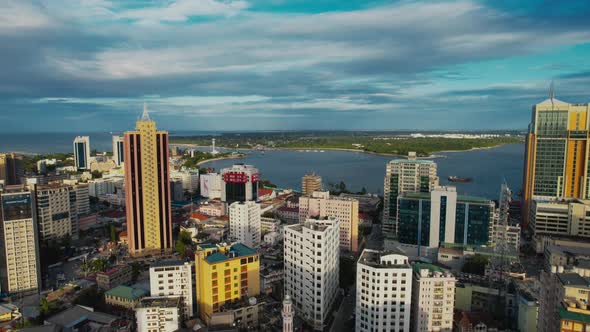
403, 176
556, 152
82, 152
240, 183
119, 150
147, 188
224, 273
20, 269
173, 278
312, 258
57, 211
427, 220
383, 291
433, 298
245, 223
310, 183
11, 168
321, 205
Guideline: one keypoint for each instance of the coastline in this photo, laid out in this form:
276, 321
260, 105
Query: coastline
432, 155
240, 156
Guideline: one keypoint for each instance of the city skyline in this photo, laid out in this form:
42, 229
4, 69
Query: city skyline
322, 65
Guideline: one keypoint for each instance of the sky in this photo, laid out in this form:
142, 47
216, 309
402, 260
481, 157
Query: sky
89, 65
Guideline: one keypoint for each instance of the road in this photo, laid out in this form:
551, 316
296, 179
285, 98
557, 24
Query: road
375, 239
343, 320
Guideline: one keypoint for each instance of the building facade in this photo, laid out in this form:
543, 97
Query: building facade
310, 183
224, 273
20, 269
173, 278
115, 276
11, 168
57, 211
188, 177
210, 185
119, 150
556, 152
403, 176
82, 152
147, 188
158, 314
245, 224
433, 298
566, 217
239, 183
383, 292
321, 205
312, 257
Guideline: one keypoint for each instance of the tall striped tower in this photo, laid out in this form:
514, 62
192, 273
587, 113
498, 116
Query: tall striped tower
147, 189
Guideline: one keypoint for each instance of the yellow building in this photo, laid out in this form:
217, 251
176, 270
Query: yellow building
225, 273
556, 152
310, 183
147, 176
574, 312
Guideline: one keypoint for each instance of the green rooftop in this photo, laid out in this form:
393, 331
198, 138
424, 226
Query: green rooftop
460, 198
127, 292
239, 249
433, 268
573, 316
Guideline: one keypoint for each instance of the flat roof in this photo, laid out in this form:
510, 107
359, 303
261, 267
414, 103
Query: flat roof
573, 279
239, 249
176, 262
460, 198
127, 292
163, 302
417, 266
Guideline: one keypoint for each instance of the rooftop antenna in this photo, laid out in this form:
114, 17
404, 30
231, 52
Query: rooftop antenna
145, 116
551, 93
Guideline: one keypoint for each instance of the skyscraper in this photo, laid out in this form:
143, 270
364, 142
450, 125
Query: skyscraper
240, 183
310, 183
244, 223
321, 205
20, 269
556, 152
147, 188
82, 152
312, 259
11, 168
402, 176
119, 150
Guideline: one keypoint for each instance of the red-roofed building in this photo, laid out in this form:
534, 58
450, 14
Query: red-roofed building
199, 216
266, 194
123, 237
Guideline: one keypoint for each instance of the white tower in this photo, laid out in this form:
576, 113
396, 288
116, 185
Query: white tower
287, 314
213, 151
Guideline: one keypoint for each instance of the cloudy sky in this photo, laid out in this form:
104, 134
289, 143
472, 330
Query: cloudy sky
88, 65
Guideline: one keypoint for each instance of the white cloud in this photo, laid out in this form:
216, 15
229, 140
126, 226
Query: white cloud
183, 10
16, 16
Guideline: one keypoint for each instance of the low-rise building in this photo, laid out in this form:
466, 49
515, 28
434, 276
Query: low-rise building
115, 276
83, 319
124, 296
158, 314
272, 238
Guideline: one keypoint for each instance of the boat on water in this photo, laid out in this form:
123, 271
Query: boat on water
459, 179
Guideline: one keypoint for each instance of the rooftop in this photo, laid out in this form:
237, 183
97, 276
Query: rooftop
373, 258
573, 279
460, 198
417, 266
78, 314
162, 302
411, 161
175, 262
237, 250
127, 292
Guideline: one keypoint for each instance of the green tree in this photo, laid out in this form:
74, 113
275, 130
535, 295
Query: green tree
185, 237
113, 233
180, 247
96, 174
476, 265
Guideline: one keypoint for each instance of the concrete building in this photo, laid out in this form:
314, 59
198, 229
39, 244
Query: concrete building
57, 211
556, 154
244, 223
433, 298
81, 318
173, 278
312, 258
11, 168
20, 269
210, 185
101, 187
270, 225
149, 220
176, 190
563, 304
426, 220
404, 176
82, 199
158, 314
118, 275
189, 178
554, 218
321, 205
82, 152
119, 150
528, 312
310, 183
124, 296
224, 273
239, 183
383, 291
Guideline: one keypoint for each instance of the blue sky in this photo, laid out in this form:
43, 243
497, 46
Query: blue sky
71, 65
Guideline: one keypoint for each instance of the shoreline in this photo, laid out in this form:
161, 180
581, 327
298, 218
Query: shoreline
432, 155
240, 156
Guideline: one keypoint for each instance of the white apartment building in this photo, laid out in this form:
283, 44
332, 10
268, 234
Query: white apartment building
101, 187
244, 223
57, 211
312, 258
383, 291
82, 199
321, 205
189, 178
173, 278
270, 224
211, 185
119, 150
403, 176
560, 217
433, 298
20, 269
158, 314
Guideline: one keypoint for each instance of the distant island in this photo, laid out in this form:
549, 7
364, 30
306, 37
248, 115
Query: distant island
385, 143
